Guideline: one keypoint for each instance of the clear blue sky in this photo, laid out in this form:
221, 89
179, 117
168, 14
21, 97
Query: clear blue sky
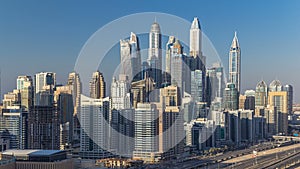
47, 36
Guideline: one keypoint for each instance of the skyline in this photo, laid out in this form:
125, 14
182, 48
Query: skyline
62, 37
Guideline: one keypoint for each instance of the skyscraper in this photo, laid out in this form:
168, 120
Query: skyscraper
97, 86
75, 83
261, 94
235, 63
13, 122
231, 97
289, 90
155, 54
64, 102
44, 86
119, 91
25, 85
195, 39
279, 99
43, 128
44, 79
169, 51
94, 140
146, 133
130, 58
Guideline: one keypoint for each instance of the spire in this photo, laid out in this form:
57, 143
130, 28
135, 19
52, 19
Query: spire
235, 42
195, 24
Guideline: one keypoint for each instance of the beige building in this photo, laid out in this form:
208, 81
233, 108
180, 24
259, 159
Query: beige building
279, 99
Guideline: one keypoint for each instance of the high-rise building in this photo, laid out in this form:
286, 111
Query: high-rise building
97, 86
235, 63
43, 128
44, 88
169, 51
155, 54
215, 83
76, 87
130, 58
44, 79
195, 39
199, 60
119, 92
25, 86
75, 83
142, 91
94, 120
64, 101
13, 126
247, 101
171, 122
289, 90
279, 99
146, 133
261, 94
180, 70
231, 97
197, 88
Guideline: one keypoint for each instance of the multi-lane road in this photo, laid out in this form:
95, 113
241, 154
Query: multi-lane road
268, 156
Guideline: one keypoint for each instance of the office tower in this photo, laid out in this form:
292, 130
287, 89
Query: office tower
146, 133
145, 70
197, 88
43, 128
142, 91
261, 94
169, 51
94, 120
215, 83
247, 101
44, 86
75, 83
122, 131
97, 86
44, 79
231, 97
64, 102
260, 124
279, 99
25, 86
171, 123
13, 123
200, 133
155, 54
130, 58
76, 87
271, 115
247, 125
289, 90
235, 63
219, 117
196, 46
180, 70
119, 91
195, 39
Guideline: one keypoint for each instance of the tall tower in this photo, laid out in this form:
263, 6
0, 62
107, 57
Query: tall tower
261, 94
97, 86
75, 83
130, 58
195, 39
155, 54
235, 63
